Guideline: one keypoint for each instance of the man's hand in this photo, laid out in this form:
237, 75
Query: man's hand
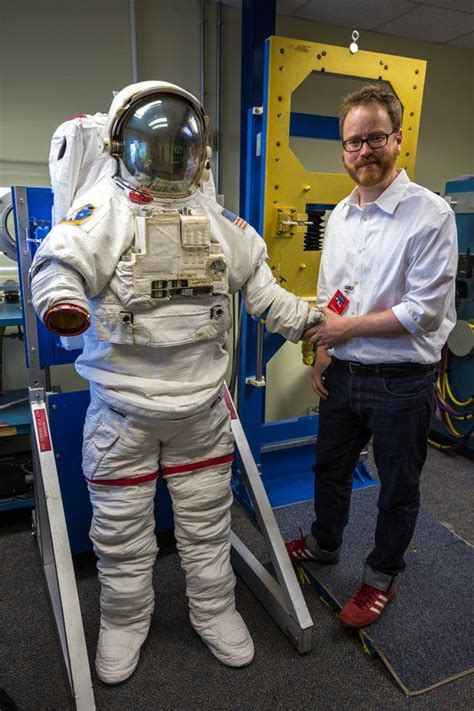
331, 331
323, 360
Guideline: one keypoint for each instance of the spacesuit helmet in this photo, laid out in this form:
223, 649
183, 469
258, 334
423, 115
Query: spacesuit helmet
158, 133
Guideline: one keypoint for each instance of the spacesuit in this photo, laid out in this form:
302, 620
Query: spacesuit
77, 160
144, 264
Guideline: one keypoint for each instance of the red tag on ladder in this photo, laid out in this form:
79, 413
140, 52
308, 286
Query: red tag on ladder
44, 439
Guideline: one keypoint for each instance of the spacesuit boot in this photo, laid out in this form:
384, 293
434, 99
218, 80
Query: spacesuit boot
118, 650
227, 637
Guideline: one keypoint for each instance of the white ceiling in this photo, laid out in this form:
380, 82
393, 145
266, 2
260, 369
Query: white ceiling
445, 21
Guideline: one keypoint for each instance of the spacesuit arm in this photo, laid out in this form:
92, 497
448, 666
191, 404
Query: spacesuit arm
59, 299
285, 313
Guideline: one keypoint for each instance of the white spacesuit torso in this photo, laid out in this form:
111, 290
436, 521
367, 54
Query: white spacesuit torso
157, 279
170, 287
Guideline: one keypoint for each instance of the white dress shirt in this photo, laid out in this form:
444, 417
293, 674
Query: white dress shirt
400, 253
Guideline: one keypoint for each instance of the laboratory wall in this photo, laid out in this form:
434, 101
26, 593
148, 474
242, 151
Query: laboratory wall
63, 57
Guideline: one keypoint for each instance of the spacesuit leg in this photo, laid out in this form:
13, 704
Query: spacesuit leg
198, 473
120, 462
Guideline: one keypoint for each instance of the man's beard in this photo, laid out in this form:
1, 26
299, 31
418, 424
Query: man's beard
379, 169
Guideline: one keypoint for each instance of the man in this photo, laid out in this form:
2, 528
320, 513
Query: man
386, 287
144, 265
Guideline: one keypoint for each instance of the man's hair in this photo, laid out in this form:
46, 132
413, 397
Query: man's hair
372, 94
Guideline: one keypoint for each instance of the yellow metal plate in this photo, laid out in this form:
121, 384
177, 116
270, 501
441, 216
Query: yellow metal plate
288, 183
7, 431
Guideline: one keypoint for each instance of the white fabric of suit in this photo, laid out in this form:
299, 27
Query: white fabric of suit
78, 160
164, 393
166, 365
118, 446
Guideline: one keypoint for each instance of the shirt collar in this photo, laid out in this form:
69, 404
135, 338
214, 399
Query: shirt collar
390, 197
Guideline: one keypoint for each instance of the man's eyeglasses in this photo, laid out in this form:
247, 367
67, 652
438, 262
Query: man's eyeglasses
376, 140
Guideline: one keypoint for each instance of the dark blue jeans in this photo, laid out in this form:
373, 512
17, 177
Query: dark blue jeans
396, 412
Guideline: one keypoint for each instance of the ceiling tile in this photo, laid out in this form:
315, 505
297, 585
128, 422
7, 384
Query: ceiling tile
467, 41
463, 5
233, 3
287, 7
360, 15
430, 24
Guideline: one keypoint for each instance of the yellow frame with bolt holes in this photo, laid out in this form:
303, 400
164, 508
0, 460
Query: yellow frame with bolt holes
288, 185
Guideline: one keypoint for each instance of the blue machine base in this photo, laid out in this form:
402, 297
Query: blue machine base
17, 502
288, 477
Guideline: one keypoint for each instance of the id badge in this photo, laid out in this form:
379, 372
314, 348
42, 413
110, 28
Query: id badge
339, 302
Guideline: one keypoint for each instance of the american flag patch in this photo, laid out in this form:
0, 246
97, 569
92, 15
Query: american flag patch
235, 219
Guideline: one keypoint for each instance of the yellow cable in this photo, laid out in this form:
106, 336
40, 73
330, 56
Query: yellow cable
450, 427
443, 385
301, 575
454, 432
365, 646
466, 403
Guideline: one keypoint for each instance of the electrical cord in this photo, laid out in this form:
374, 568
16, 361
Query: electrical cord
448, 412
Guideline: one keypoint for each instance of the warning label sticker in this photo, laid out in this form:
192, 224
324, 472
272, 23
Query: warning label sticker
44, 439
230, 405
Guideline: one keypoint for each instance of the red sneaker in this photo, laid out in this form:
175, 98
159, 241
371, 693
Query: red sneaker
365, 606
298, 551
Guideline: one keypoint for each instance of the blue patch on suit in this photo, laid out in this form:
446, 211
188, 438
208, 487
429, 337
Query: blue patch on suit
79, 216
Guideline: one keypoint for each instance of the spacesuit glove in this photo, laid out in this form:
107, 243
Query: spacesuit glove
314, 317
307, 347
67, 319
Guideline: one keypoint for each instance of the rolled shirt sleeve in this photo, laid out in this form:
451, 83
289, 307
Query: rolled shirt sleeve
430, 277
